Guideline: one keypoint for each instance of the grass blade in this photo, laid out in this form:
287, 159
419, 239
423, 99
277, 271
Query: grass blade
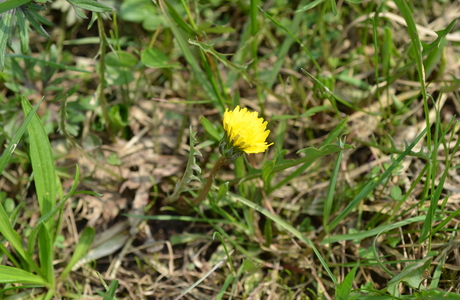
6, 229
371, 185
197, 71
81, 249
46, 254
15, 275
344, 288
11, 4
14, 142
42, 164
331, 190
290, 229
6, 28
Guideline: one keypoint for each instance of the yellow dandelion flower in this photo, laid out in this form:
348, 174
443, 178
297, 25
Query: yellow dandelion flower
244, 132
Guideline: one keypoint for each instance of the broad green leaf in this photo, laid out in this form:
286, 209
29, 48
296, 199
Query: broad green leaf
250, 266
15, 275
154, 58
121, 58
411, 275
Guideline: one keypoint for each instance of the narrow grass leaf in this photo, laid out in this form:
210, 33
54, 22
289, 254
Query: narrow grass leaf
280, 133
6, 229
9, 255
304, 48
221, 57
331, 191
307, 161
310, 6
49, 63
23, 31
417, 54
210, 129
203, 277
197, 71
180, 20
445, 221
435, 294
5, 158
386, 51
334, 97
110, 295
284, 49
31, 16
43, 219
91, 5
438, 272
40, 18
344, 289
42, 164
6, 27
311, 155
81, 249
333, 6
45, 253
282, 223
372, 184
357, 236
15, 275
374, 242
223, 289
9, 5
428, 224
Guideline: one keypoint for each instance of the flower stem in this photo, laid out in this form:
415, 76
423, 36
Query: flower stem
208, 184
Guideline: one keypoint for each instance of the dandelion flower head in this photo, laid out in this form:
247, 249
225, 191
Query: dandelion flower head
244, 132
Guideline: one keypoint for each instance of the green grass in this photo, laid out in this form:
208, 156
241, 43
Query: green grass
111, 116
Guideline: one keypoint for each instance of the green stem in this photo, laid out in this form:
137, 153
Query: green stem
208, 184
102, 99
